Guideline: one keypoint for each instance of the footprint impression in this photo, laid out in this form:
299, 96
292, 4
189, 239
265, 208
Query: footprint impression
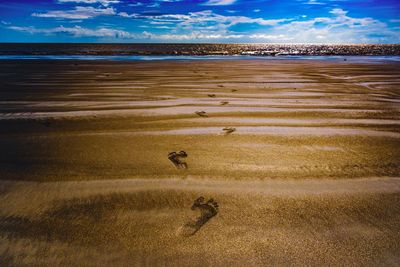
45, 122
201, 113
177, 158
229, 130
207, 210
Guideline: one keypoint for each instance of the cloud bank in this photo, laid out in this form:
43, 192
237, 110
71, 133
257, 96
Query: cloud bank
336, 25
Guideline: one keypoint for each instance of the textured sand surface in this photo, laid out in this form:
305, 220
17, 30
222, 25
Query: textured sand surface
309, 177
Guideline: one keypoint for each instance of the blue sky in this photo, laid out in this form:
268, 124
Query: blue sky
211, 21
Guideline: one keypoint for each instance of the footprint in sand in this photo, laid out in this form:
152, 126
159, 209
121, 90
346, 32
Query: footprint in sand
223, 103
207, 210
229, 130
177, 159
211, 95
46, 122
201, 113
234, 90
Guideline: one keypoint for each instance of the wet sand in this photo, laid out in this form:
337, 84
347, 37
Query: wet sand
310, 176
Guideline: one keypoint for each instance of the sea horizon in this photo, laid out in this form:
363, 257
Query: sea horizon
199, 49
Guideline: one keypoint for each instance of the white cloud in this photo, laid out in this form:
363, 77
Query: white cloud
136, 4
126, 15
270, 37
314, 2
219, 2
206, 25
78, 31
337, 27
154, 5
160, 22
79, 12
102, 2
191, 36
338, 12
340, 28
256, 10
203, 19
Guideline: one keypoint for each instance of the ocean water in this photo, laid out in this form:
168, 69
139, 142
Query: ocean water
134, 52
197, 49
357, 59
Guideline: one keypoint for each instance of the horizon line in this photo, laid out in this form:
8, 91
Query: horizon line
203, 43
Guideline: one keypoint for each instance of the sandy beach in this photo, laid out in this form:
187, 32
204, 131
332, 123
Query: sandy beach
302, 157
